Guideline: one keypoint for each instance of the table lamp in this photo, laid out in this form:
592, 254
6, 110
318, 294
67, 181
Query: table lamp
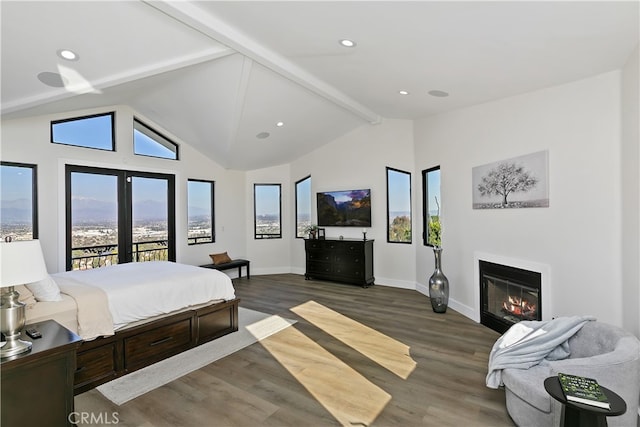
21, 263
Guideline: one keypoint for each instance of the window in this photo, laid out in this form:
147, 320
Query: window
200, 228
303, 206
148, 142
398, 206
431, 206
267, 205
19, 201
115, 216
94, 131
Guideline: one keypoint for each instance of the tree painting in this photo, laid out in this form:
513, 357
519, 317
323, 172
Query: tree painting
513, 183
506, 178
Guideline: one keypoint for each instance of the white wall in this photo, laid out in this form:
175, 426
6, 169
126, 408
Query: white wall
630, 90
577, 236
358, 160
27, 141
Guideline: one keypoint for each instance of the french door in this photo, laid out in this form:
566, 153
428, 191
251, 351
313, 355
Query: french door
117, 216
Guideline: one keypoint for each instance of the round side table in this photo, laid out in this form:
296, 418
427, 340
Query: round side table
580, 415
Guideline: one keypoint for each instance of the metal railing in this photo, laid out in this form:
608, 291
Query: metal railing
268, 236
88, 257
199, 239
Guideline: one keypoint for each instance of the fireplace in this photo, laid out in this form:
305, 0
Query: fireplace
508, 295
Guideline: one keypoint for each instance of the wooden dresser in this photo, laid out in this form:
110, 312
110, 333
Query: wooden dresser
346, 260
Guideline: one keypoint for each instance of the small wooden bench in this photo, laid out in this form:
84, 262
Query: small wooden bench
233, 264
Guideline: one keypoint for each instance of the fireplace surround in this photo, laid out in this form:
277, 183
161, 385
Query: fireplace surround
547, 305
508, 294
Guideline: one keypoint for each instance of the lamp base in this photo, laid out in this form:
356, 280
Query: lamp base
12, 320
14, 346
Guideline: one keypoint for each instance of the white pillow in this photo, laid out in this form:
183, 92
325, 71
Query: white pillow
45, 290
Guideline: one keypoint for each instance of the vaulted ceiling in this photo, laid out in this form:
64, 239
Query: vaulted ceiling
220, 74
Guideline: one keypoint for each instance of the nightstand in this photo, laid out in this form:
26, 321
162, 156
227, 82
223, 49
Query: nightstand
37, 387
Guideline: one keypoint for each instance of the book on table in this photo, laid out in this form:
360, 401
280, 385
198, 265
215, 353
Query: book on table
583, 390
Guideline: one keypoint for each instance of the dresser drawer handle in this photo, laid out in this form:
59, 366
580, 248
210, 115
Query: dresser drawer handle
164, 340
80, 369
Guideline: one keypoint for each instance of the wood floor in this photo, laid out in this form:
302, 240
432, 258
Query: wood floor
377, 356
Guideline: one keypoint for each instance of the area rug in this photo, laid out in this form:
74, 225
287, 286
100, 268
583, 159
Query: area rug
253, 326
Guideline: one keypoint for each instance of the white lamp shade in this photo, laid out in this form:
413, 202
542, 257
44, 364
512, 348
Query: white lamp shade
21, 262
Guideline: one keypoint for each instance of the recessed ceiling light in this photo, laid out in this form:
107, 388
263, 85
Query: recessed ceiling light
403, 92
67, 54
263, 135
280, 124
438, 93
347, 43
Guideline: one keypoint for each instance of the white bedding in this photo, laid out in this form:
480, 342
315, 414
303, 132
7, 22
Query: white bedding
136, 291
63, 312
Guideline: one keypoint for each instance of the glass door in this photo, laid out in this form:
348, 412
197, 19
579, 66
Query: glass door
116, 216
93, 227
149, 218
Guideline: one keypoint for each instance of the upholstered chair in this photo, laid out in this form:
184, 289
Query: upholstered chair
598, 350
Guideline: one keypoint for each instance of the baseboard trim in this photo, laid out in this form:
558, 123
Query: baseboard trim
393, 283
463, 309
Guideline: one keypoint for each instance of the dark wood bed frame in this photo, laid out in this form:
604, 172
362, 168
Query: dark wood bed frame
104, 359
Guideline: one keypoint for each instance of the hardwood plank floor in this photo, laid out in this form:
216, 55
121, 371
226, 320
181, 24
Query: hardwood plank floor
377, 356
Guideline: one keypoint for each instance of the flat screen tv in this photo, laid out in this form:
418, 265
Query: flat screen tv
351, 208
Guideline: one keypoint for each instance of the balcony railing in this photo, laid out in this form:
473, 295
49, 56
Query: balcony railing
199, 239
88, 257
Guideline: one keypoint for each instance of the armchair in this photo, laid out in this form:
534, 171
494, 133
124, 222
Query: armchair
598, 350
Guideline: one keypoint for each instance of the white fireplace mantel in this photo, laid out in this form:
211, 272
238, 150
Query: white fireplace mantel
543, 269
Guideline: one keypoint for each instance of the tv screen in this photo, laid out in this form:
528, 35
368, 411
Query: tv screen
350, 208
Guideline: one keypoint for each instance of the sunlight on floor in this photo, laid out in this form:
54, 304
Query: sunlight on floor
350, 397
382, 349
346, 394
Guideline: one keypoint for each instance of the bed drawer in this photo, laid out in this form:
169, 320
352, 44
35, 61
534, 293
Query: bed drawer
104, 359
215, 323
95, 364
157, 344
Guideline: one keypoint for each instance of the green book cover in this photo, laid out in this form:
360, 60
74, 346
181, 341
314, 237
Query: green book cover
583, 390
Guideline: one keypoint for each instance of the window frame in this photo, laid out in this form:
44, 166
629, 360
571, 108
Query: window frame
389, 240
213, 222
112, 115
263, 236
425, 205
300, 181
34, 193
157, 134
124, 209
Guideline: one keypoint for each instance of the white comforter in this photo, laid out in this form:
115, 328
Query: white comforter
137, 291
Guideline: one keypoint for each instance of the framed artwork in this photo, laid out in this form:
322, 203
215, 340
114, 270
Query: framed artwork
519, 182
321, 233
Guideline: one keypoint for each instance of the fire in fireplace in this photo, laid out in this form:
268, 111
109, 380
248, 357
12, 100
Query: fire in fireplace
508, 295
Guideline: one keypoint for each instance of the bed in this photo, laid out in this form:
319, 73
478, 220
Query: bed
132, 315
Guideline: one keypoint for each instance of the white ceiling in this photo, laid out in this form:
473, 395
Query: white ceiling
217, 73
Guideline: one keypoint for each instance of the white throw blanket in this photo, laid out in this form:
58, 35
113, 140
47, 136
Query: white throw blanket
527, 343
93, 315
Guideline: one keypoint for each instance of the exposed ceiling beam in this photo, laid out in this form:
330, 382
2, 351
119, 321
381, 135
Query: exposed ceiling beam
210, 25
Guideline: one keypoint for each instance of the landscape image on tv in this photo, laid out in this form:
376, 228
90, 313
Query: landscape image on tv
350, 208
